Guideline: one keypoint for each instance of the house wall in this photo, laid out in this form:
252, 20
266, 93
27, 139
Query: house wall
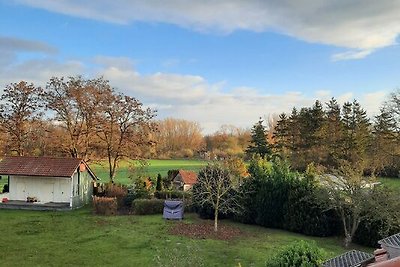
45, 189
187, 187
81, 189
177, 182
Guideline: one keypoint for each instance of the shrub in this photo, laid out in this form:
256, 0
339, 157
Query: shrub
147, 206
304, 212
5, 188
281, 198
169, 194
135, 193
117, 191
297, 254
105, 205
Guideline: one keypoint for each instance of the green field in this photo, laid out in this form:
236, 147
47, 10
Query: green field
393, 183
78, 238
154, 167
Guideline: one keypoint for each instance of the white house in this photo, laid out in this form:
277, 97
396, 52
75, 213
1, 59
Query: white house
67, 181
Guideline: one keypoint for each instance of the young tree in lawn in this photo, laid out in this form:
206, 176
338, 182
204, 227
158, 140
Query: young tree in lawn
20, 107
123, 126
214, 188
354, 198
259, 144
75, 102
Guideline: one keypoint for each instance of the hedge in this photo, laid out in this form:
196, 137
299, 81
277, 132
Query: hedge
165, 194
147, 206
105, 205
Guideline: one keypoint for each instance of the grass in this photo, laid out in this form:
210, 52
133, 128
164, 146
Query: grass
155, 166
78, 238
393, 183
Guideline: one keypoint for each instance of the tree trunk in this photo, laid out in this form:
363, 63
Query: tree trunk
216, 220
347, 240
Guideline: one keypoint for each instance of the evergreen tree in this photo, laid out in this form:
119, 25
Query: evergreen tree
158, 183
383, 147
258, 144
356, 132
281, 135
331, 134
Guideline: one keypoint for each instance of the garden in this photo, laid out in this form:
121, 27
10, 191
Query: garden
79, 238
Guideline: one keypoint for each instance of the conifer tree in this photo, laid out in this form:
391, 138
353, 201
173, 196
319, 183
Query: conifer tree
258, 144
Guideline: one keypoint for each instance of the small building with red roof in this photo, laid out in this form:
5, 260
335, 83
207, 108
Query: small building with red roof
184, 180
54, 182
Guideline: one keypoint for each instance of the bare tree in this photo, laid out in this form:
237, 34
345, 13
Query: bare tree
123, 126
178, 137
75, 102
20, 107
214, 188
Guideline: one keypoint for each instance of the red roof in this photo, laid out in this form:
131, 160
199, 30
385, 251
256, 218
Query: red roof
39, 166
188, 177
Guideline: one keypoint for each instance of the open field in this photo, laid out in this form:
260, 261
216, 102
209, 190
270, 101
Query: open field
78, 238
154, 167
393, 183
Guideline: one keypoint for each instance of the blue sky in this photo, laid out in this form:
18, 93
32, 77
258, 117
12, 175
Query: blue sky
214, 62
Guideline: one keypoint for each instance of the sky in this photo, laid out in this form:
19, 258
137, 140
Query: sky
219, 62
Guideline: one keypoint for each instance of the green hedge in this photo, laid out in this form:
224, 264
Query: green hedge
281, 198
166, 194
147, 206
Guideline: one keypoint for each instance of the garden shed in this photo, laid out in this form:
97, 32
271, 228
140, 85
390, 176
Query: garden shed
184, 180
48, 181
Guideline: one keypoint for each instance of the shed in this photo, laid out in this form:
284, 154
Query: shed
48, 180
184, 180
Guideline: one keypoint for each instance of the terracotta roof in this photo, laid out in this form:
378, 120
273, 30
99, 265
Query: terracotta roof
188, 177
353, 258
39, 166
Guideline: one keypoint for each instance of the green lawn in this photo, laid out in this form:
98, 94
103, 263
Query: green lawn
393, 183
78, 238
154, 167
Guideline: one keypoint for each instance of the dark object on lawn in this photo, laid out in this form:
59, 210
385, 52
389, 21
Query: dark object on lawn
173, 209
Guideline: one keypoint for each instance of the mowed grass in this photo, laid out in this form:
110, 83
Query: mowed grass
79, 238
393, 183
153, 168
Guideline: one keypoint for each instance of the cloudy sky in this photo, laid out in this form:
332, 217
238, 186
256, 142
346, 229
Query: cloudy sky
215, 62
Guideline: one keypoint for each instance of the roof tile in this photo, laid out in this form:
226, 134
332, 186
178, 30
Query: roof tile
39, 166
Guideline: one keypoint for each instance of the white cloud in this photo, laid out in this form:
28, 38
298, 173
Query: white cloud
189, 97
360, 26
11, 44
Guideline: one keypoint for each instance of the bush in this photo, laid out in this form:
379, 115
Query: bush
166, 194
304, 212
281, 198
297, 254
5, 188
135, 193
105, 205
117, 191
147, 206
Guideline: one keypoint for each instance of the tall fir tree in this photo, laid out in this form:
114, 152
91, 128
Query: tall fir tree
258, 144
331, 134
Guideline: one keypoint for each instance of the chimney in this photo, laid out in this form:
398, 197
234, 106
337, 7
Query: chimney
392, 245
380, 255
